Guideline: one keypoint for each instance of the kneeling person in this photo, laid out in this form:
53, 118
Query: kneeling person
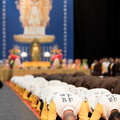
67, 105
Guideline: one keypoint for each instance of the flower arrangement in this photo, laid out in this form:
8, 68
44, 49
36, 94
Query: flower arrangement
56, 57
59, 56
15, 51
14, 54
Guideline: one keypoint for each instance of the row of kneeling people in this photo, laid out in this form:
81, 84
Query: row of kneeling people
79, 79
55, 98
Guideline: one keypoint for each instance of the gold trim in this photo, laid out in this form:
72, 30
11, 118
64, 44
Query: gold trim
28, 38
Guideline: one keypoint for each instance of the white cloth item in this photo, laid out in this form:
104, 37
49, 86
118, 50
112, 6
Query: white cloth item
109, 102
20, 80
38, 90
71, 87
40, 79
49, 91
28, 77
83, 95
94, 95
79, 89
54, 82
13, 78
65, 101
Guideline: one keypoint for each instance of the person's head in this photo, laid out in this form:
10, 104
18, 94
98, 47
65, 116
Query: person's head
68, 115
115, 115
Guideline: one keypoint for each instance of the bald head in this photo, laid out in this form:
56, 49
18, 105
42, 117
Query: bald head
115, 115
68, 115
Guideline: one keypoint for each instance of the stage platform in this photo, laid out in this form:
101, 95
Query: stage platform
6, 74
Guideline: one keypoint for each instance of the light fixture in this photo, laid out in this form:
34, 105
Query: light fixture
47, 54
24, 54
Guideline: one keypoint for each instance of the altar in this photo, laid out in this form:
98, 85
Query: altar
36, 64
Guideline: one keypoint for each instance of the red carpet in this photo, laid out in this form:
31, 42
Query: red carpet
26, 102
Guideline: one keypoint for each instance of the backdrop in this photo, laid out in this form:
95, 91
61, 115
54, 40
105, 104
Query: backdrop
60, 25
97, 29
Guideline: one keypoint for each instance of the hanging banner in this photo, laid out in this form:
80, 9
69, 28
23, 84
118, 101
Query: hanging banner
48, 21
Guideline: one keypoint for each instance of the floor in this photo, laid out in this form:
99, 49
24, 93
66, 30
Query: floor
12, 107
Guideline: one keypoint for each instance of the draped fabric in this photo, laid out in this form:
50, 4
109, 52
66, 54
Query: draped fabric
96, 29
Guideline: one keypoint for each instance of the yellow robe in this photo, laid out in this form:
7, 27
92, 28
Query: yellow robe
82, 114
98, 112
